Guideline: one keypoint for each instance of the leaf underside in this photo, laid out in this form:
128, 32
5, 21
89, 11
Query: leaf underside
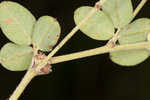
135, 32
98, 27
16, 22
46, 33
120, 11
15, 57
132, 33
129, 57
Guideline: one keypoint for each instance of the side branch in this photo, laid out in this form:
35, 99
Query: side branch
74, 30
96, 51
139, 7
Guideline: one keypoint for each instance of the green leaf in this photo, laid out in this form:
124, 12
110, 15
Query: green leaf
16, 22
135, 32
120, 11
46, 33
15, 57
129, 57
132, 33
98, 27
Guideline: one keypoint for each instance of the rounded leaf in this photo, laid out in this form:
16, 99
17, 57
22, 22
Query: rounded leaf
16, 22
46, 33
135, 32
120, 11
129, 57
132, 33
98, 27
15, 57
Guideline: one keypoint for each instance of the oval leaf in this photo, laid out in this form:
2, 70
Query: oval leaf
16, 22
129, 57
132, 33
46, 33
98, 27
15, 57
120, 11
135, 32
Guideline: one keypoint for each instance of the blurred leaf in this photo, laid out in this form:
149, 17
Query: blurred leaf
98, 27
120, 11
46, 33
16, 22
135, 32
15, 57
129, 57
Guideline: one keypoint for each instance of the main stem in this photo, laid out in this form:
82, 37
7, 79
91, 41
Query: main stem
25, 81
105, 49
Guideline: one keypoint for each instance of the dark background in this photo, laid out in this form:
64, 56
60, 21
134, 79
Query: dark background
92, 78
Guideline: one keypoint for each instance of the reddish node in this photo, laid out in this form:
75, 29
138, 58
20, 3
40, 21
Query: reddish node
97, 6
112, 44
45, 70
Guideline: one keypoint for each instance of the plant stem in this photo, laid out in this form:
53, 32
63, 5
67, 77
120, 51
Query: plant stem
113, 40
74, 30
136, 11
96, 51
32, 73
116, 35
25, 81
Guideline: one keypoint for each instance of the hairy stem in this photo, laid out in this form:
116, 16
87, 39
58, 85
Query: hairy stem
25, 81
136, 11
96, 51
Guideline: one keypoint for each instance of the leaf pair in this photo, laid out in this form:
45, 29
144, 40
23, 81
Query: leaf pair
20, 26
135, 32
116, 14
101, 26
